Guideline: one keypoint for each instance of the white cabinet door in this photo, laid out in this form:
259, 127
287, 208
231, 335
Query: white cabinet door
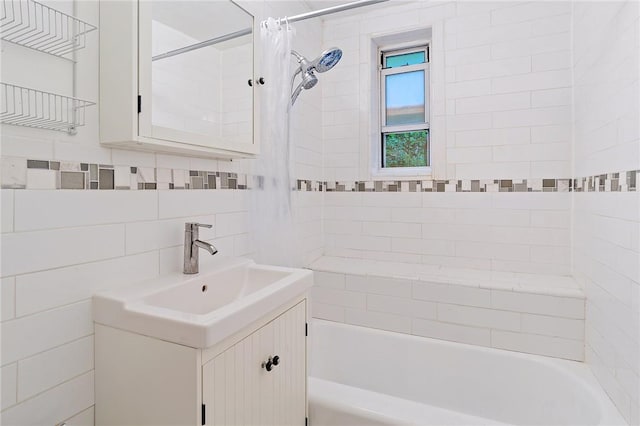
201, 96
238, 390
157, 96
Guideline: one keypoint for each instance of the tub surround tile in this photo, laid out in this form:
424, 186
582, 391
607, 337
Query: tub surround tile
329, 279
378, 285
437, 275
603, 371
402, 306
347, 299
488, 308
553, 326
566, 307
381, 321
537, 344
451, 293
479, 317
327, 312
451, 332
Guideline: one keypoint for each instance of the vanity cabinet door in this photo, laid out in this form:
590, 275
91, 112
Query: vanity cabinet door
238, 390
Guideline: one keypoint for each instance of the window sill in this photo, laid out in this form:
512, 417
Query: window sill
402, 173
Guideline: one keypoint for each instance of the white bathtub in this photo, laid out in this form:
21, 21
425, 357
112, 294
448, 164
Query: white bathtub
361, 376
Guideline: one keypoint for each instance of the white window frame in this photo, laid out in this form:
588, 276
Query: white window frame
383, 52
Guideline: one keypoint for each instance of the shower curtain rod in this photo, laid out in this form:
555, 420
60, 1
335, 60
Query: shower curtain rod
246, 31
330, 10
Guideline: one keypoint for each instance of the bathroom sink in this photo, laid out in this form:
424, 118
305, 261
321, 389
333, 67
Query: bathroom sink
201, 310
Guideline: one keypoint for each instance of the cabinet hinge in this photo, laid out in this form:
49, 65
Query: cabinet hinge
139, 104
204, 411
306, 329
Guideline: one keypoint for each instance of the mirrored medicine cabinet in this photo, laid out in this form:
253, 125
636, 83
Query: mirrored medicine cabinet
177, 77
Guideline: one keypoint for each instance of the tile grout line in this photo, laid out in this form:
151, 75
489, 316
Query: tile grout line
49, 389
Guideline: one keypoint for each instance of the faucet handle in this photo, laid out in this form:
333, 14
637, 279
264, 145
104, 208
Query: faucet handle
190, 226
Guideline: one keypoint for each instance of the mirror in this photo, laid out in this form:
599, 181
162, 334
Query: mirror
202, 59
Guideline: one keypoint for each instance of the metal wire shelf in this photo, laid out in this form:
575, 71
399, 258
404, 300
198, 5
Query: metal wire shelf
36, 26
27, 107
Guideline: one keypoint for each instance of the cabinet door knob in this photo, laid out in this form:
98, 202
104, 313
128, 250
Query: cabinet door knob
268, 365
250, 82
261, 81
276, 360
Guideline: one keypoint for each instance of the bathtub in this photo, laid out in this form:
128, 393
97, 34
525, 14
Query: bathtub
362, 376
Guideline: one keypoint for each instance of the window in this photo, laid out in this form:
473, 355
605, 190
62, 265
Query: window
404, 110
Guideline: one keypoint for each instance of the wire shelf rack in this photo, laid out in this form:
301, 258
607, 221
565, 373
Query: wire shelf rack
27, 107
36, 26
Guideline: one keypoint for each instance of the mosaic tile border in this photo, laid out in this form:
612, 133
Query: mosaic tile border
610, 182
20, 173
43, 174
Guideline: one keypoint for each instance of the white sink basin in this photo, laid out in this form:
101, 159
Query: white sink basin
203, 309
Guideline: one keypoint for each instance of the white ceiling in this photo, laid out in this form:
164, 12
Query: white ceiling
323, 4
202, 19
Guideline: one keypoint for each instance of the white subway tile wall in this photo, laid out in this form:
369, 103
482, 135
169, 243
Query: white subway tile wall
500, 73
498, 312
501, 89
516, 232
606, 227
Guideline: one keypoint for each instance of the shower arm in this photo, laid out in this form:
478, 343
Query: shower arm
293, 78
303, 62
300, 59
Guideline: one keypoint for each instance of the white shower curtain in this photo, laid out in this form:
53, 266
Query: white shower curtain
271, 211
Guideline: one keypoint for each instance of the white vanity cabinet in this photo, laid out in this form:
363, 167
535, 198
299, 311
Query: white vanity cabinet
146, 381
162, 91
238, 390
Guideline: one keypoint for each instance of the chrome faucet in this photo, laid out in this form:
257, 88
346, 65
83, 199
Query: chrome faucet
191, 245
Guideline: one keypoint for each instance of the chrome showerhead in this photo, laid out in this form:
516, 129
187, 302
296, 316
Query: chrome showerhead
309, 80
322, 63
327, 60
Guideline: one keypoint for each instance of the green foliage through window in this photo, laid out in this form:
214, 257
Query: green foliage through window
406, 149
